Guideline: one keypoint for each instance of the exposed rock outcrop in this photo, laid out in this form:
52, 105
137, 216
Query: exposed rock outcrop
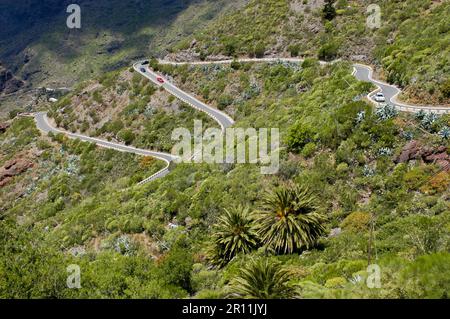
183, 56
415, 151
13, 168
410, 151
218, 57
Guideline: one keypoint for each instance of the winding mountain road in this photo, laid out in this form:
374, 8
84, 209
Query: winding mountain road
220, 117
361, 72
43, 125
365, 73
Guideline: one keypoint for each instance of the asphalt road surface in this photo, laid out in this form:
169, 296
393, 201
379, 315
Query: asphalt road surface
391, 92
220, 117
361, 72
43, 125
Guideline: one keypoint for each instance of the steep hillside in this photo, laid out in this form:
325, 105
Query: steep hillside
8, 82
359, 188
37, 45
410, 48
124, 107
380, 181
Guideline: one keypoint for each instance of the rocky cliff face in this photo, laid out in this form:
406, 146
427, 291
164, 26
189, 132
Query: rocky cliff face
9, 83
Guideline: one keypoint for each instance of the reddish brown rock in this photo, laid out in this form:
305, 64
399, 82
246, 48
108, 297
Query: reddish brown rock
410, 151
427, 151
437, 157
442, 149
413, 150
441, 159
13, 168
445, 165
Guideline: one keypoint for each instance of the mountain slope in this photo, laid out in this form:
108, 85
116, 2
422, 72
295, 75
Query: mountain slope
37, 45
374, 183
411, 47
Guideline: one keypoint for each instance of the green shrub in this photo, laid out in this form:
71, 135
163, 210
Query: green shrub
445, 88
336, 282
309, 149
309, 62
97, 96
259, 50
329, 51
357, 222
328, 11
342, 168
427, 277
415, 178
13, 113
176, 267
299, 135
126, 136
235, 65
230, 47
224, 101
294, 50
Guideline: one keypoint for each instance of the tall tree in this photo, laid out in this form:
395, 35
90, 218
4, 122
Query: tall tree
234, 233
289, 219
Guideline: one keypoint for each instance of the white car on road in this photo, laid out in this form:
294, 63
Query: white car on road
379, 97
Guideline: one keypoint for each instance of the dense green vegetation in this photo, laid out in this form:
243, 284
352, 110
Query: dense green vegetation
160, 240
341, 200
124, 106
419, 56
410, 48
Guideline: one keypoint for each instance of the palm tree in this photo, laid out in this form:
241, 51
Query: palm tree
262, 279
289, 220
235, 233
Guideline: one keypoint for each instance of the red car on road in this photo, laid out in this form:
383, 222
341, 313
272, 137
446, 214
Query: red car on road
160, 79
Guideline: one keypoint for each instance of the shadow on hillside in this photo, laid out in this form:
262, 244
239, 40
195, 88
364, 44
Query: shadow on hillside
25, 22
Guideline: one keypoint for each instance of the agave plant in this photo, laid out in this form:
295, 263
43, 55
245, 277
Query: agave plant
262, 279
368, 171
386, 112
408, 135
444, 133
360, 116
289, 220
428, 120
384, 151
420, 115
234, 233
